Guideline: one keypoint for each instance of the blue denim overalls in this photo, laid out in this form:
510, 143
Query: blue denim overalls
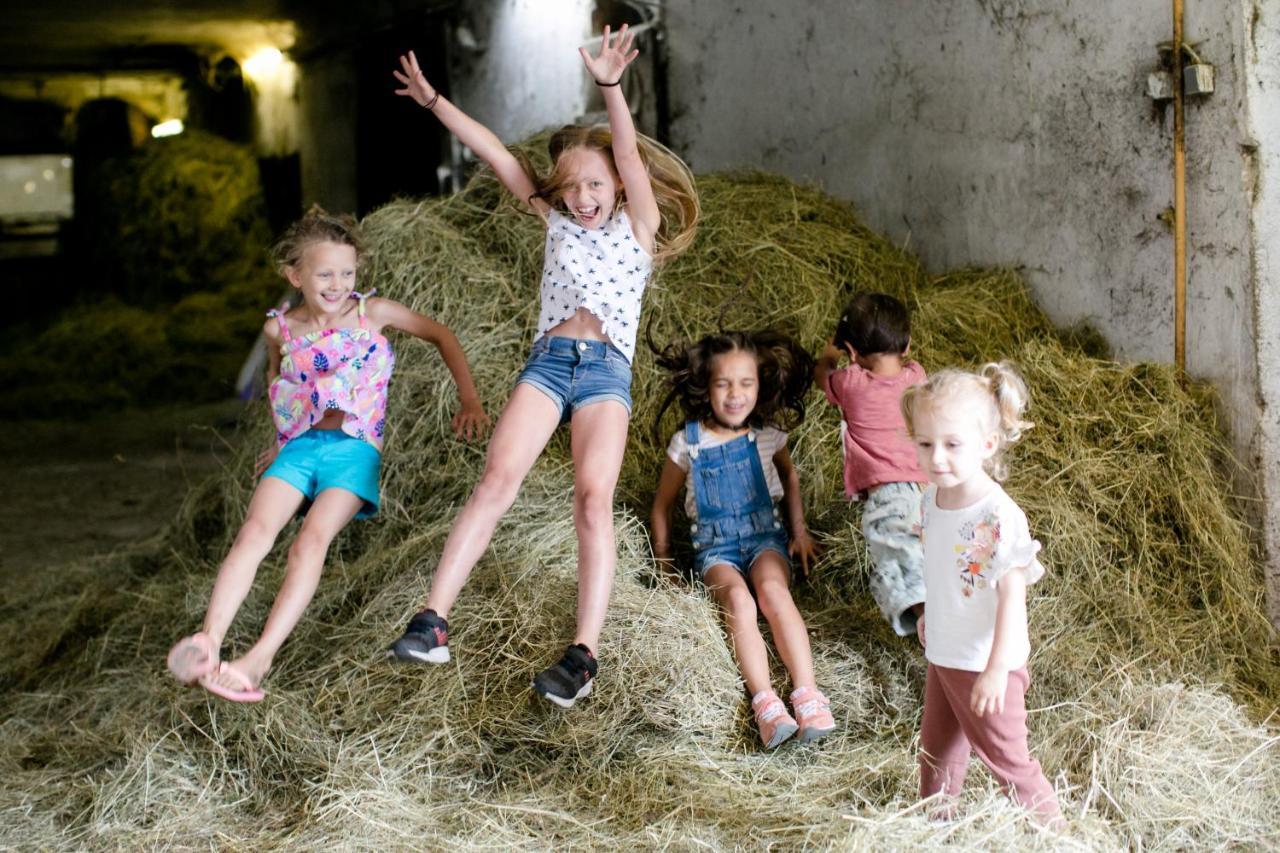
737, 520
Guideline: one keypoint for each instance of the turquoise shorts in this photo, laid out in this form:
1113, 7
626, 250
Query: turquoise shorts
322, 459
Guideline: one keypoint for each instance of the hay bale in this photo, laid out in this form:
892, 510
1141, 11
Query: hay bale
1151, 585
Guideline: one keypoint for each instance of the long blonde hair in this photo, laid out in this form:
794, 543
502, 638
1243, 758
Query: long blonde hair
673, 184
997, 386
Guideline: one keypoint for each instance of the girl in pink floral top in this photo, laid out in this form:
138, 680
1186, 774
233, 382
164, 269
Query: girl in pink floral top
329, 368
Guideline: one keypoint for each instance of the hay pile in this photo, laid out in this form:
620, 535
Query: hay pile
178, 240
1153, 675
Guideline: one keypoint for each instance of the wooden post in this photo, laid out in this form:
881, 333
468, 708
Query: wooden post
1179, 200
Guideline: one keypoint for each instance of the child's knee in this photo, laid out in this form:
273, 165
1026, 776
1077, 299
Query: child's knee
737, 601
497, 487
774, 598
256, 532
309, 545
593, 506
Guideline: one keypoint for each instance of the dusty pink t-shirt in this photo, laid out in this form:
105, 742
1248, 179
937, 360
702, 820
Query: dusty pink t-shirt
876, 448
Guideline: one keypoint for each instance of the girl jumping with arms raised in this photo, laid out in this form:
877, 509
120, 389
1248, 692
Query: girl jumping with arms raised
614, 204
738, 390
329, 365
979, 558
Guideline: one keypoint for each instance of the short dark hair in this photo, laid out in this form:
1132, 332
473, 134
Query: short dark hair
874, 323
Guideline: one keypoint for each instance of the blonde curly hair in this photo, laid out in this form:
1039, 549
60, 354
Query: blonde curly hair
1001, 396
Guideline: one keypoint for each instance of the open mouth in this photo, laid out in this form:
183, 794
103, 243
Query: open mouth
587, 214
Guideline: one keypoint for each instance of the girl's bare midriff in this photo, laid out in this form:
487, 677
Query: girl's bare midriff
332, 420
582, 325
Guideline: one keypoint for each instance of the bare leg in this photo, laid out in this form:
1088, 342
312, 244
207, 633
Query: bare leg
598, 438
734, 597
330, 513
274, 502
771, 581
523, 429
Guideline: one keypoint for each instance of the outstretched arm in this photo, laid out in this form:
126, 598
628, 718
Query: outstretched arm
470, 133
802, 544
616, 53
470, 420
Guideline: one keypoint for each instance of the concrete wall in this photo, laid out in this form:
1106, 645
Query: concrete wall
527, 76
327, 88
1018, 132
1262, 61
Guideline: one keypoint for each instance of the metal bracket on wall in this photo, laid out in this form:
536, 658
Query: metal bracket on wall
1197, 75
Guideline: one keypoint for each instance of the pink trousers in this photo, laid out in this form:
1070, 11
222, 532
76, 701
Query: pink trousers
950, 730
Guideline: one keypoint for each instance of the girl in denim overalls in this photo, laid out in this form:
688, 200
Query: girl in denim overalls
736, 389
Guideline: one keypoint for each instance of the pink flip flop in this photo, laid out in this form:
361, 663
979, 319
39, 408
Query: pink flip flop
246, 693
180, 663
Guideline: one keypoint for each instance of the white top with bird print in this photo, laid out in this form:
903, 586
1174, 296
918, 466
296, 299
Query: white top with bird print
604, 271
966, 553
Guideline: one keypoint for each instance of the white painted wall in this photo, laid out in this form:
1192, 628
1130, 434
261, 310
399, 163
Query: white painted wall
528, 75
1261, 51
1018, 132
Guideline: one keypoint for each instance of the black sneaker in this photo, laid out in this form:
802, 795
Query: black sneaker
570, 679
426, 640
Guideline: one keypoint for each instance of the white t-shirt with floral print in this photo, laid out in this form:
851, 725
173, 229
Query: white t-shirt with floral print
966, 552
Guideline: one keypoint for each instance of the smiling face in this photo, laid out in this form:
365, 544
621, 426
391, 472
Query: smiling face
326, 275
590, 186
952, 445
734, 387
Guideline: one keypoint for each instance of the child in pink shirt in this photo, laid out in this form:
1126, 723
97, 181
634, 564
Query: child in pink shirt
880, 466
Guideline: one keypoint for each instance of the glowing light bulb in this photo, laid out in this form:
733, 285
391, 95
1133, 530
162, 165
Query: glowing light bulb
264, 64
172, 127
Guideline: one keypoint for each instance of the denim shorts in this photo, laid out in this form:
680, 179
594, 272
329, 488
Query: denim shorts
576, 373
322, 459
741, 552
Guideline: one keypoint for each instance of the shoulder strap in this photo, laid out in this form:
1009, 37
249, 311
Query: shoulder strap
691, 438
360, 309
279, 313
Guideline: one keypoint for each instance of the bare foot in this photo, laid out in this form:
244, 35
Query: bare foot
193, 657
243, 674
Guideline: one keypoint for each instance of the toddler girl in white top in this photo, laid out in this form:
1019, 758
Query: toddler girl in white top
978, 560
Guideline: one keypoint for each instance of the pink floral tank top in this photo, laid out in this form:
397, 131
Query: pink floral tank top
345, 369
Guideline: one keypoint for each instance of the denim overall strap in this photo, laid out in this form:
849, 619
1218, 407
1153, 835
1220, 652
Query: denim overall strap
729, 489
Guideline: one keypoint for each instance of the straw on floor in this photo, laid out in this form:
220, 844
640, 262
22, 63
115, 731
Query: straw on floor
1155, 680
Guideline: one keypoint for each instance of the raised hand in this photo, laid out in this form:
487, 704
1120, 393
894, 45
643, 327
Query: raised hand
615, 55
414, 81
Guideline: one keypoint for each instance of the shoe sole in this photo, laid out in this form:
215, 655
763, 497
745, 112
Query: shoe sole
780, 735
810, 735
561, 702
440, 654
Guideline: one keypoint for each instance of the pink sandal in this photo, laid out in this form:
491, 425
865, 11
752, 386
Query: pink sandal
183, 663
246, 693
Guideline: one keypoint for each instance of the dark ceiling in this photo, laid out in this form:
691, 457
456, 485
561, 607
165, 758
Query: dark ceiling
82, 35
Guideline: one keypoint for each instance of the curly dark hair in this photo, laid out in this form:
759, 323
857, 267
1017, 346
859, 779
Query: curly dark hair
786, 372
